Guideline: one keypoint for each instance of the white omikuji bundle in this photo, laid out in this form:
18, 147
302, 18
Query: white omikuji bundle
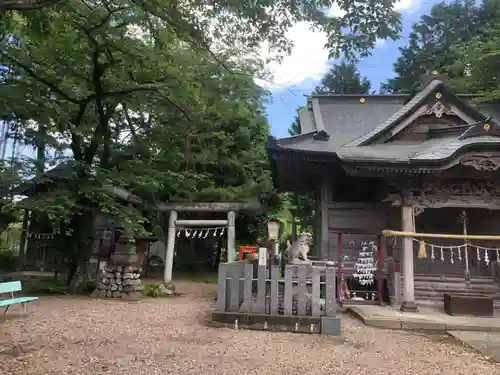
365, 265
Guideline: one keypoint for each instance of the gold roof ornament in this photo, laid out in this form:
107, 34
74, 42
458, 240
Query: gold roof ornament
438, 95
434, 73
362, 100
486, 126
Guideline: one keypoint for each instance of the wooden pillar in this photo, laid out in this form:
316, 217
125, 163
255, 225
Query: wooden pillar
408, 304
324, 198
231, 234
169, 254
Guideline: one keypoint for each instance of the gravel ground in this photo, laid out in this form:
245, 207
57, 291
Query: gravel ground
170, 336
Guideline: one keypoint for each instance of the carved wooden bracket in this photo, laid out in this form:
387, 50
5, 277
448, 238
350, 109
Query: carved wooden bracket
484, 128
482, 162
418, 210
455, 201
465, 194
439, 109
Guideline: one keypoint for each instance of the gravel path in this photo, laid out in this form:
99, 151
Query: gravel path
170, 336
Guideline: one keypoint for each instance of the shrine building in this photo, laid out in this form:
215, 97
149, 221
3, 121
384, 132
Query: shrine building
426, 163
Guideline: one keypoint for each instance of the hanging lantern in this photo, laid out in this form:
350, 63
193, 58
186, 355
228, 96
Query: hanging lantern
273, 229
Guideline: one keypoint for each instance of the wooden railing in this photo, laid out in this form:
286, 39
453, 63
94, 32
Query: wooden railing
257, 297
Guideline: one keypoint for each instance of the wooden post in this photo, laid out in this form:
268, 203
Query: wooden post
231, 249
325, 197
408, 277
379, 270
169, 255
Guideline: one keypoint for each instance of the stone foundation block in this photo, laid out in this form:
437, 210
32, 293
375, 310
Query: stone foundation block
330, 326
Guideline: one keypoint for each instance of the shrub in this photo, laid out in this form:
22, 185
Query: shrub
152, 290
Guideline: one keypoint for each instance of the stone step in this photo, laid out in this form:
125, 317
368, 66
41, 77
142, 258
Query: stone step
454, 279
431, 288
431, 293
438, 302
448, 287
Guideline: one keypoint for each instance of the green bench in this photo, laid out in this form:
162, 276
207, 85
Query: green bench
11, 287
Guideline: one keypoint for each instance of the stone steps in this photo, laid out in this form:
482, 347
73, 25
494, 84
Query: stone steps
432, 288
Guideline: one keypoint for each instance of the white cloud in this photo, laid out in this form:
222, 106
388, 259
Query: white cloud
407, 5
309, 58
380, 43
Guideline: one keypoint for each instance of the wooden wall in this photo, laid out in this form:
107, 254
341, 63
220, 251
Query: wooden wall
358, 222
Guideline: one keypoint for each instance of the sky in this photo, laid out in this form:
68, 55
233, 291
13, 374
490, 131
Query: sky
298, 74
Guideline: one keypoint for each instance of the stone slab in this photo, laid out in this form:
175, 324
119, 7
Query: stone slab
487, 343
330, 326
426, 319
422, 324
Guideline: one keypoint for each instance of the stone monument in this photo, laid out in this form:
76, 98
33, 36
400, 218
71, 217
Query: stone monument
121, 277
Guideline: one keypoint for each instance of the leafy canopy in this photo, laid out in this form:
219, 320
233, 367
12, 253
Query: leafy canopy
155, 96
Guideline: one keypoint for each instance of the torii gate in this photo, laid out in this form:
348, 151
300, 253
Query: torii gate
173, 222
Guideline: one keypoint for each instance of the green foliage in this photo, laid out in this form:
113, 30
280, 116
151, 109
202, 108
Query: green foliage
434, 41
152, 290
157, 97
343, 78
481, 58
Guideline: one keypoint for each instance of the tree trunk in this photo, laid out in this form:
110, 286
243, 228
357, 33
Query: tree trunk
81, 226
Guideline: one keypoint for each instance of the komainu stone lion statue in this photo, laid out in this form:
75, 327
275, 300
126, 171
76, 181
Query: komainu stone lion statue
297, 252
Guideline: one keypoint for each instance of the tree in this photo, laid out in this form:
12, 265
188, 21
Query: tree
294, 128
343, 78
434, 39
157, 97
480, 58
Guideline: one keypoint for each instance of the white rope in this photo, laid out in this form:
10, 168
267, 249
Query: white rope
459, 246
479, 249
201, 232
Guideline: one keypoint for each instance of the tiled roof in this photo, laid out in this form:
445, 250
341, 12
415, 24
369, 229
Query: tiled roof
353, 121
438, 149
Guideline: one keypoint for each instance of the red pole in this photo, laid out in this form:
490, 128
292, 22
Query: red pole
339, 264
379, 269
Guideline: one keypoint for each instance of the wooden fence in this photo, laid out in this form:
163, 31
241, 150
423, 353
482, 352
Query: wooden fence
256, 297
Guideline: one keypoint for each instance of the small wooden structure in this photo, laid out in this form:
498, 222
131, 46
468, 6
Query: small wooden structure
304, 301
468, 305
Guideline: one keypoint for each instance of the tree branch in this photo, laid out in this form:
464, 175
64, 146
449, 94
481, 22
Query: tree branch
98, 132
42, 80
76, 144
